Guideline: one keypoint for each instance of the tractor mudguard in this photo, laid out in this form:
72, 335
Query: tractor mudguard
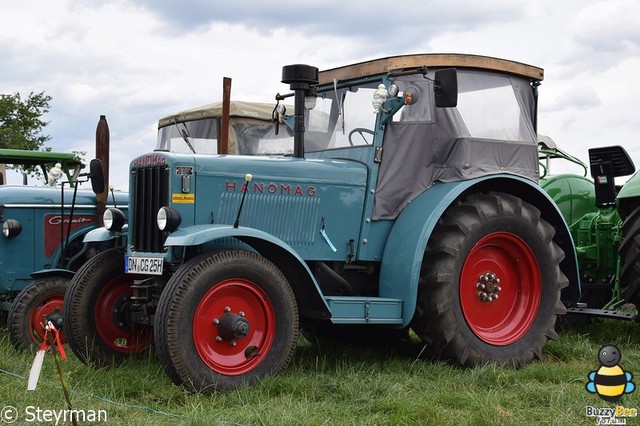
36, 275
304, 285
99, 235
631, 188
407, 242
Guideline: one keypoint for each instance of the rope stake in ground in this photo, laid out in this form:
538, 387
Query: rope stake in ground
48, 340
51, 340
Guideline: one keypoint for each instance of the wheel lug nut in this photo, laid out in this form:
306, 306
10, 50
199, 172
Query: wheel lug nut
232, 343
498, 289
218, 339
241, 313
227, 309
216, 321
494, 296
480, 286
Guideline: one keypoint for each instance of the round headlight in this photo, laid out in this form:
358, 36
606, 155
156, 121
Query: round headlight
11, 228
113, 219
168, 219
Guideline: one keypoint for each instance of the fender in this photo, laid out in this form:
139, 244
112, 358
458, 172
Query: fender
631, 189
102, 234
304, 285
407, 242
628, 198
43, 273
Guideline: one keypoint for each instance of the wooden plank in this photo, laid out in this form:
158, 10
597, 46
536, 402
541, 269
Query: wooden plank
384, 65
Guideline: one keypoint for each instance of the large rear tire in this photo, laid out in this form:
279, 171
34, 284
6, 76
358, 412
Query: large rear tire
225, 320
629, 252
96, 312
36, 304
490, 283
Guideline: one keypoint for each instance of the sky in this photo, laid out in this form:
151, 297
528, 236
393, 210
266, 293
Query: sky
136, 61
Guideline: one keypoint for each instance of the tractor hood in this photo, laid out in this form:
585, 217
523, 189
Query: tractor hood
315, 206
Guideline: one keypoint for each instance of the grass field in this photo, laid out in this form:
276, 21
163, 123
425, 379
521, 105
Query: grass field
339, 385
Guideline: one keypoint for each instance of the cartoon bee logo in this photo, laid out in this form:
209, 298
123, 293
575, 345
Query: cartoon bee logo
610, 381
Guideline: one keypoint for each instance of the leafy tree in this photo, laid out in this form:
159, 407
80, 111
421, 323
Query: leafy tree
21, 122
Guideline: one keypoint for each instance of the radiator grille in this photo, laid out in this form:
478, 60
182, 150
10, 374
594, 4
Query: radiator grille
151, 191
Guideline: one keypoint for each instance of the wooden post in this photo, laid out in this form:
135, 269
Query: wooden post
102, 153
223, 131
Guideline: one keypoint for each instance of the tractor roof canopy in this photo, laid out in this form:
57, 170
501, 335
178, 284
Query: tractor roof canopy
440, 60
69, 161
251, 130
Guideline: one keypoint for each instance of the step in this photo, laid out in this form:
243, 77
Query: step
364, 310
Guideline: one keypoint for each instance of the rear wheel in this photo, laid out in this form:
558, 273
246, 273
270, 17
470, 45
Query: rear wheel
224, 320
97, 312
629, 252
35, 305
490, 283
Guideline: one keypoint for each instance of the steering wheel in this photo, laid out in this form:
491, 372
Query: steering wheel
361, 131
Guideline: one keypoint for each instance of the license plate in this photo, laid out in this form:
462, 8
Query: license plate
143, 265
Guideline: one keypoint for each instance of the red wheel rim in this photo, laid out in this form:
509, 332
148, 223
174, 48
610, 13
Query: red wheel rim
110, 318
505, 319
234, 356
48, 305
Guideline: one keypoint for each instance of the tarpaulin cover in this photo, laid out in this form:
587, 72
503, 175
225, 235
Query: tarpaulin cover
490, 131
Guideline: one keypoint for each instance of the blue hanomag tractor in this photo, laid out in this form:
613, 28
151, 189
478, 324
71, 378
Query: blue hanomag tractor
411, 200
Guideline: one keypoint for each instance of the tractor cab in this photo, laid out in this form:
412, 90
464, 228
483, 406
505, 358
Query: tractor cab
251, 131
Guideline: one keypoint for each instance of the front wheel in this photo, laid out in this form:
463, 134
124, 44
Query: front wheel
224, 320
490, 283
97, 312
31, 310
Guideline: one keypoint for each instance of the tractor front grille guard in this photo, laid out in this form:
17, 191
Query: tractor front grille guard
151, 191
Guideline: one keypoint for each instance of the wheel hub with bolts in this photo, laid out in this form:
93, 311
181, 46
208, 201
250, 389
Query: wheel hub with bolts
488, 287
231, 326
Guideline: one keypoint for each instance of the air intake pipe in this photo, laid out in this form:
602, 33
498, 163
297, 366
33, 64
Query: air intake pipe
300, 78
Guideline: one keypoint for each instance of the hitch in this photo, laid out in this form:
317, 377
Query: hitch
603, 313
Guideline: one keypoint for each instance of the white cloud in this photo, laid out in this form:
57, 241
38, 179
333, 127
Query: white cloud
137, 60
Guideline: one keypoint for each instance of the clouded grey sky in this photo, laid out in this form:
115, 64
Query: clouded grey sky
138, 60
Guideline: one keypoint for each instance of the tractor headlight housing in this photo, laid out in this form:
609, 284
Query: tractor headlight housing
11, 228
113, 219
168, 219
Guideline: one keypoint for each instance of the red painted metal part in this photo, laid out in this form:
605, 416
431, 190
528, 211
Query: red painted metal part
505, 320
110, 305
40, 314
234, 357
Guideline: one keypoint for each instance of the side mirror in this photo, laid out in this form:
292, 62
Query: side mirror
96, 174
445, 87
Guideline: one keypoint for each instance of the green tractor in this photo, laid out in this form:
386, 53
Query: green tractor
604, 221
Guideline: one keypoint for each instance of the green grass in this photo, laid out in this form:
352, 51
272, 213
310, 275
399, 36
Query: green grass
340, 385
